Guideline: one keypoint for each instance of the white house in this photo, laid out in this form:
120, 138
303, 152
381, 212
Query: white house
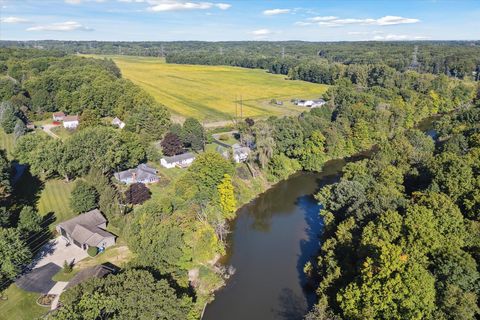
87, 230
58, 116
182, 160
70, 122
238, 153
310, 103
117, 122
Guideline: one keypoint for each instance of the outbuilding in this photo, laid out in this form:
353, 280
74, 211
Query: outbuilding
181, 160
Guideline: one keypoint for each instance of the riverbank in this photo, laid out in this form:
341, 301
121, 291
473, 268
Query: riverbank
252, 230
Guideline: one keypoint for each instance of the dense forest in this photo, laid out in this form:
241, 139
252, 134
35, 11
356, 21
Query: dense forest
401, 229
401, 236
453, 58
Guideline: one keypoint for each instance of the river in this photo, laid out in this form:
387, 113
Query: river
272, 238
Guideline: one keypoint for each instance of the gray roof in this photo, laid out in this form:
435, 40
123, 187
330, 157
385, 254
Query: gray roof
90, 218
180, 157
99, 271
319, 101
84, 228
142, 172
241, 150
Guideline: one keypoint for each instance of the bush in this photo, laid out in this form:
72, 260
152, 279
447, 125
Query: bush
67, 267
92, 251
224, 137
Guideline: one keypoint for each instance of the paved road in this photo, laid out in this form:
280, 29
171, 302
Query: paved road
48, 130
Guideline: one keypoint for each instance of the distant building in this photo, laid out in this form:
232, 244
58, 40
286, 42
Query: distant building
142, 173
117, 122
238, 153
310, 103
87, 230
71, 122
182, 160
58, 116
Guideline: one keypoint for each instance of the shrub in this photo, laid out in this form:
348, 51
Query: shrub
67, 267
224, 137
92, 251
84, 197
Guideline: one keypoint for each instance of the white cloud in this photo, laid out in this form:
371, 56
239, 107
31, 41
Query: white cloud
61, 26
261, 34
331, 21
80, 1
175, 5
397, 37
13, 20
273, 12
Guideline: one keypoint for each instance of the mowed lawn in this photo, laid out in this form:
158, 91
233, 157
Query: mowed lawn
55, 198
7, 142
20, 305
209, 93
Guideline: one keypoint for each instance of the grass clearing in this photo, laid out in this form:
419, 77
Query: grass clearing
55, 197
7, 142
20, 305
209, 93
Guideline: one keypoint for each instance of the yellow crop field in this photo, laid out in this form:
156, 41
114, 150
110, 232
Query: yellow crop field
209, 93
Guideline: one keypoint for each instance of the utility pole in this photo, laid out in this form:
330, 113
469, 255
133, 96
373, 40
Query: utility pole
241, 107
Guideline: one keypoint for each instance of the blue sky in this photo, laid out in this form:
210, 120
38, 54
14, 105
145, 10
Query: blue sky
167, 20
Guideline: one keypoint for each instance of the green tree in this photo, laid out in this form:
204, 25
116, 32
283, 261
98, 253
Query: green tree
227, 197
89, 118
8, 117
5, 170
84, 197
29, 221
14, 254
194, 134
123, 296
20, 129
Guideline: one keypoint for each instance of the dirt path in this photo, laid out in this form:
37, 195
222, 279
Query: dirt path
48, 130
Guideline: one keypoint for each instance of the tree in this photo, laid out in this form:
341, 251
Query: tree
264, 142
29, 221
194, 134
312, 154
89, 118
5, 170
137, 193
83, 198
14, 254
227, 197
171, 144
20, 129
8, 117
249, 121
133, 294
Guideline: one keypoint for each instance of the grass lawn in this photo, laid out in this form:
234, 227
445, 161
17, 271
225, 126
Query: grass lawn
208, 93
62, 132
55, 197
21, 305
7, 142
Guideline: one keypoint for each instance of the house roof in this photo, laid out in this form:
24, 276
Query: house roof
91, 218
241, 150
141, 172
179, 157
91, 235
70, 118
98, 271
59, 114
117, 121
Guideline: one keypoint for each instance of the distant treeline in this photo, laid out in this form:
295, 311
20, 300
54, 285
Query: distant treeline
459, 59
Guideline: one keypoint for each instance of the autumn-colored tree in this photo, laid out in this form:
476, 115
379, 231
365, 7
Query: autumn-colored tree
227, 197
171, 144
137, 193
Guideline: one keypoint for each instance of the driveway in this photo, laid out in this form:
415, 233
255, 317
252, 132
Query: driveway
39, 279
56, 251
48, 130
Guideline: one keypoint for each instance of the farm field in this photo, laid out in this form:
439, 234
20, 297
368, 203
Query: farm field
208, 93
